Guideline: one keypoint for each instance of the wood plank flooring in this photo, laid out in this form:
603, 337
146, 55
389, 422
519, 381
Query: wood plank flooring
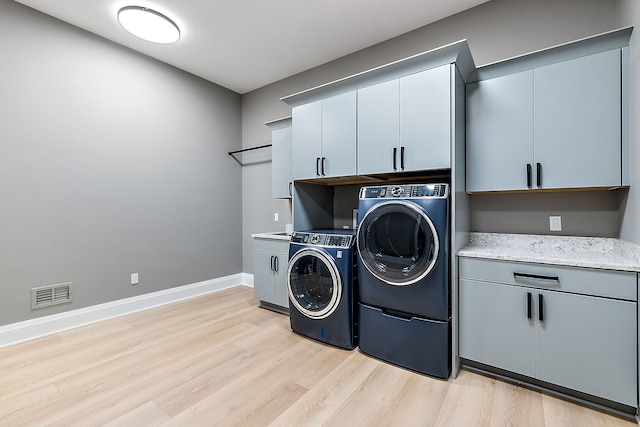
219, 360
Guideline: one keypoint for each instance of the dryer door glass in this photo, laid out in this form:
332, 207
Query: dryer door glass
314, 283
397, 242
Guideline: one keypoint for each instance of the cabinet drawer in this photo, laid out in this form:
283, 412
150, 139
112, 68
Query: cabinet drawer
603, 283
272, 246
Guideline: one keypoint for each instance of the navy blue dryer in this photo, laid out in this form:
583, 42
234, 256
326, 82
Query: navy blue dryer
403, 249
404, 275
320, 282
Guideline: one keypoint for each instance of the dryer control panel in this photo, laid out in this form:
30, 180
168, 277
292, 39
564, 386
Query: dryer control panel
405, 191
323, 239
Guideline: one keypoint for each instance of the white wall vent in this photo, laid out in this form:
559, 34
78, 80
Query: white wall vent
46, 296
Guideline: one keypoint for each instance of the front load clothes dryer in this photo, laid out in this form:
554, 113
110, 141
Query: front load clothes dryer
404, 275
320, 282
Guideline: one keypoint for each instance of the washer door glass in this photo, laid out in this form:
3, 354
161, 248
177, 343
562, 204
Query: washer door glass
397, 242
314, 283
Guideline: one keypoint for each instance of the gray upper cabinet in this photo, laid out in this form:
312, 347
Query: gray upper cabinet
398, 117
556, 126
500, 133
378, 128
426, 119
324, 138
307, 140
281, 158
404, 124
577, 112
339, 135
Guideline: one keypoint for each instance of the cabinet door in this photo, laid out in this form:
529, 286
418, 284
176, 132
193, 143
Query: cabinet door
588, 344
263, 287
307, 138
339, 135
500, 133
281, 163
281, 297
577, 122
378, 128
494, 326
425, 119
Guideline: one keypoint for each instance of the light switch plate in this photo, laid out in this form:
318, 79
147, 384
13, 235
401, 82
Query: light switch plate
555, 223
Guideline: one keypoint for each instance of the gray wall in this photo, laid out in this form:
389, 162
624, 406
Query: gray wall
110, 163
629, 14
495, 30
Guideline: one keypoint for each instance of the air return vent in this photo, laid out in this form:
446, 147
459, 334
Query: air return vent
46, 296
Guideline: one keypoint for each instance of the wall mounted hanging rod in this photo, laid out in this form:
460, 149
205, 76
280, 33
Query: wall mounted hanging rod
231, 153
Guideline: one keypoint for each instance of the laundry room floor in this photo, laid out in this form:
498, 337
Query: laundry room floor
219, 360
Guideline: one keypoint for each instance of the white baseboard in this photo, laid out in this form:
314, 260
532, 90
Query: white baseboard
35, 328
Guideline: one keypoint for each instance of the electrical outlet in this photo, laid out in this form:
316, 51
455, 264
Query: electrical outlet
275, 217
555, 223
134, 279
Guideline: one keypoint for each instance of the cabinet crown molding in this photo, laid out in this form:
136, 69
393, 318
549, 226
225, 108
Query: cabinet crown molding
586, 46
457, 53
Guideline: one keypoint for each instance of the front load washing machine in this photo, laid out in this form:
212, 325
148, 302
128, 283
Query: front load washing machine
320, 282
404, 275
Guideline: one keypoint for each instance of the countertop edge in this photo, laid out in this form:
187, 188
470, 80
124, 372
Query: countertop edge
556, 262
569, 251
272, 236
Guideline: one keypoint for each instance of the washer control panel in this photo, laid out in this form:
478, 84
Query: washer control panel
405, 191
322, 239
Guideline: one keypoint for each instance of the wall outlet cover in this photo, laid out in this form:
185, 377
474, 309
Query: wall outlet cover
555, 223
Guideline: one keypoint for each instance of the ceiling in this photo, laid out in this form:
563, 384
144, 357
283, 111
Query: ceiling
246, 44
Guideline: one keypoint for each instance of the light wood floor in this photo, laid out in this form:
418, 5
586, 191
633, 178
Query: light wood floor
219, 360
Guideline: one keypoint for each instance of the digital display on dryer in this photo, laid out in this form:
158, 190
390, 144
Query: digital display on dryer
423, 191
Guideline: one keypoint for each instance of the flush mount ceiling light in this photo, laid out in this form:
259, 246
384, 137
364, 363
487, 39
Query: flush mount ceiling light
148, 24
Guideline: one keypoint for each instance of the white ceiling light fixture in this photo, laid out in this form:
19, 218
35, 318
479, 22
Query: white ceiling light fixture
148, 24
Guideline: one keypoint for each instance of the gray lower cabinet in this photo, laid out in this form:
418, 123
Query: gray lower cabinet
404, 124
281, 158
324, 138
270, 259
571, 327
554, 127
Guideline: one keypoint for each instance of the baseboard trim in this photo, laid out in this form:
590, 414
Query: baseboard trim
27, 330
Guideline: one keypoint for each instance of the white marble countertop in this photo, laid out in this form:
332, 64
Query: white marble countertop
277, 235
591, 252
